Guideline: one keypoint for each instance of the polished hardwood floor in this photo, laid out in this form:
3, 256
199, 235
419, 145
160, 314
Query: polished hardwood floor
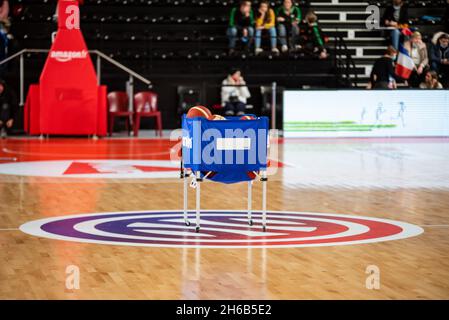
410, 187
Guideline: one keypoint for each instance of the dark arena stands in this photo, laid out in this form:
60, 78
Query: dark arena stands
181, 45
224, 150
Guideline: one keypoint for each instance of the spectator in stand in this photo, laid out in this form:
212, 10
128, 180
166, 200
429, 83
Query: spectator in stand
241, 23
265, 21
383, 75
8, 108
396, 17
234, 93
439, 57
431, 81
288, 18
4, 28
418, 51
312, 39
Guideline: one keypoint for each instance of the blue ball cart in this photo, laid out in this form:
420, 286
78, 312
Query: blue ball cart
224, 151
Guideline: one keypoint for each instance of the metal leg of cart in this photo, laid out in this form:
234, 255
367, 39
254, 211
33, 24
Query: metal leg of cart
198, 200
185, 177
264, 180
250, 200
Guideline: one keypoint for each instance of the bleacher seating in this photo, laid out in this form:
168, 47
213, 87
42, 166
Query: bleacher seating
347, 19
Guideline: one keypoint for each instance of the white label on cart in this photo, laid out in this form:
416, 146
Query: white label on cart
233, 143
187, 142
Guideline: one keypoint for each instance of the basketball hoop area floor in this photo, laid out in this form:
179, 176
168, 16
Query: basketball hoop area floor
397, 180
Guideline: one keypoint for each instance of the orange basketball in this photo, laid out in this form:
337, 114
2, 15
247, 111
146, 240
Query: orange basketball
199, 111
247, 118
217, 117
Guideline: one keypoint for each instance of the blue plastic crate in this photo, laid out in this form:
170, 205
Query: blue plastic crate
230, 148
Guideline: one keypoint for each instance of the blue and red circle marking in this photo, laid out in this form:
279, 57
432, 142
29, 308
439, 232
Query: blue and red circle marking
220, 229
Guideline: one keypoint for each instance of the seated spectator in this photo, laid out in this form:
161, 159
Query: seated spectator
431, 81
383, 75
439, 57
311, 38
418, 51
265, 22
234, 93
288, 18
241, 24
8, 108
396, 17
4, 30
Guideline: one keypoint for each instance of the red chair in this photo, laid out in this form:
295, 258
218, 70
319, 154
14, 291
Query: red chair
145, 105
118, 103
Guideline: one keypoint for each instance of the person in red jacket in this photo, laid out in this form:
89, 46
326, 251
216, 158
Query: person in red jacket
4, 10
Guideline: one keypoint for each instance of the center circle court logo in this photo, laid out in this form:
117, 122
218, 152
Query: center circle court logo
221, 229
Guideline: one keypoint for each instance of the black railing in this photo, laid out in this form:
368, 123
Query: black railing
344, 64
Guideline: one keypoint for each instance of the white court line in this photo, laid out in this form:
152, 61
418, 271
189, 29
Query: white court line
423, 225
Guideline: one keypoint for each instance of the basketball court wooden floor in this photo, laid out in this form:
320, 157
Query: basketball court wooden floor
401, 180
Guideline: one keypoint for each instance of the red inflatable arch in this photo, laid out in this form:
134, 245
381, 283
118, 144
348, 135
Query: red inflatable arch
68, 99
